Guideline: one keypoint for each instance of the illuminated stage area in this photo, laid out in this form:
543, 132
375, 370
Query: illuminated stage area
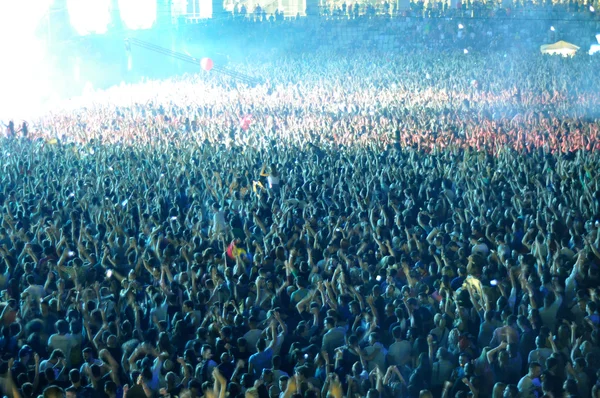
72, 45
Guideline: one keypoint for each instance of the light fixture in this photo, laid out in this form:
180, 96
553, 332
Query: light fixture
138, 14
89, 16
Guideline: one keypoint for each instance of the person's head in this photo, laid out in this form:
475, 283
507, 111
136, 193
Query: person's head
110, 389
353, 340
425, 394
62, 327
171, 378
206, 352
56, 355
591, 308
74, 376
579, 364
397, 333
195, 386
377, 290
225, 357
267, 376
27, 390
372, 393
535, 370
283, 382
329, 323
261, 345
354, 307
442, 354
252, 322
53, 392
512, 349
276, 362
25, 354
540, 342
88, 355
188, 306
373, 338
511, 391
551, 363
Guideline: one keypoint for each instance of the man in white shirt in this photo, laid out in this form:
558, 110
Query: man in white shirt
479, 247
159, 311
400, 350
56, 362
62, 340
253, 335
541, 353
375, 353
548, 312
219, 226
530, 385
35, 291
89, 360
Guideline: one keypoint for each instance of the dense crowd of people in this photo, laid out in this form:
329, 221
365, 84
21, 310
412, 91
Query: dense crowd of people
422, 224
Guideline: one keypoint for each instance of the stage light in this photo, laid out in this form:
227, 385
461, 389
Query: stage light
26, 84
89, 16
552, 28
138, 14
460, 26
592, 9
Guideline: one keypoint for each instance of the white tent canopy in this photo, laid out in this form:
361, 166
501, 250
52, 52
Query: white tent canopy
560, 47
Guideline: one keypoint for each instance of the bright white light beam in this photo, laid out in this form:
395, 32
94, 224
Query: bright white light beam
89, 16
138, 14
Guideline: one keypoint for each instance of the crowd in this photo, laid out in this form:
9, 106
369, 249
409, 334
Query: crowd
422, 224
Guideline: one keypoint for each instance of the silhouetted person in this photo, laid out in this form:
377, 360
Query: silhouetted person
10, 129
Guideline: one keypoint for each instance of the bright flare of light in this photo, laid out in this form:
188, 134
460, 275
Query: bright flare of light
592, 9
466, 51
205, 9
552, 28
25, 79
89, 16
460, 26
138, 14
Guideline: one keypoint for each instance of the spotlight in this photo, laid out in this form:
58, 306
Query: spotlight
138, 14
89, 16
466, 51
592, 9
552, 28
460, 26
